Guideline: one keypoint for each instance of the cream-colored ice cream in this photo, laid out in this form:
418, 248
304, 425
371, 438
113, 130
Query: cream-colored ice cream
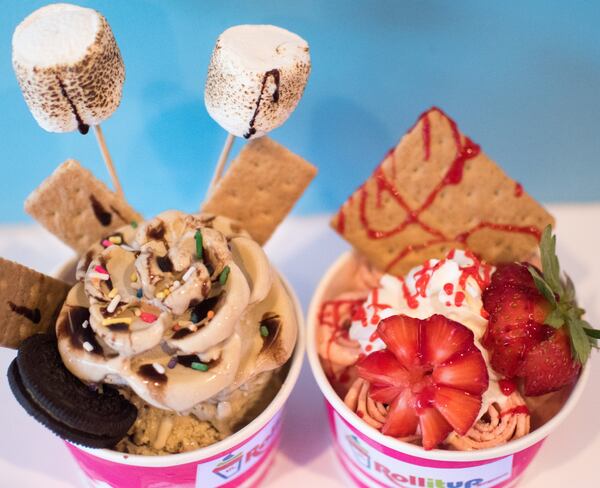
451, 287
183, 310
256, 77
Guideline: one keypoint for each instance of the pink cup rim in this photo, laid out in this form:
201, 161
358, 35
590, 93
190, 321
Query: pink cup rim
439, 455
238, 438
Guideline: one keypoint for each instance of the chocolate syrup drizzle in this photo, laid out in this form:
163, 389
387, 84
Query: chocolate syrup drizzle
81, 127
104, 217
200, 311
276, 79
149, 373
33, 315
72, 326
165, 264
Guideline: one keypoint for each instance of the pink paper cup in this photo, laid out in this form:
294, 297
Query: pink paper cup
240, 460
374, 460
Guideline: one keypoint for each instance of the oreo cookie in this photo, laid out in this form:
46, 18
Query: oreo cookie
59, 400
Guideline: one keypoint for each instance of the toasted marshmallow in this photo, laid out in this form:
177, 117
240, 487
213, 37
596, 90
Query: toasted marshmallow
256, 77
69, 67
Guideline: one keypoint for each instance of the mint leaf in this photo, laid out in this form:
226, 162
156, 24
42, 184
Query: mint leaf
550, 265
542, 286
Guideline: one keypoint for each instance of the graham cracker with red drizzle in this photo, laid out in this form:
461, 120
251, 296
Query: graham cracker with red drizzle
435, 191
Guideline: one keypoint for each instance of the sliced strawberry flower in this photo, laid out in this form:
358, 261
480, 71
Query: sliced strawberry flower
465, 371
384, 394
434, 428
382, 368
402, 419
401, 336
444, 339
431, 375
458, 407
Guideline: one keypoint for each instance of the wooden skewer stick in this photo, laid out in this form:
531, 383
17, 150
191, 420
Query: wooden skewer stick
108, 160
221, 162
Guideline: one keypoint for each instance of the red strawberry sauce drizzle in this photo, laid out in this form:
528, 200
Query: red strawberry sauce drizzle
479, 271
515, 410
507, 386
340, 329
376, 306
518, 190
464, 151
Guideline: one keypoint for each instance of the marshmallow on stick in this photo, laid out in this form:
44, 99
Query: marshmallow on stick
68, 66
256, 77
70, 70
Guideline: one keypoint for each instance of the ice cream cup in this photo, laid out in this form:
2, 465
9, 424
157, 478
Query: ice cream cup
372, 459
240, 460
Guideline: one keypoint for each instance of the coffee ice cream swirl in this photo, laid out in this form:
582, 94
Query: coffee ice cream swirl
180, 309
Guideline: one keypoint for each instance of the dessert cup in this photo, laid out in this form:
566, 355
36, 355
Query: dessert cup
373, 459
240, 460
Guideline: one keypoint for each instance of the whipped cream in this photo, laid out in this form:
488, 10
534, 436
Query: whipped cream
451, 287
182, 309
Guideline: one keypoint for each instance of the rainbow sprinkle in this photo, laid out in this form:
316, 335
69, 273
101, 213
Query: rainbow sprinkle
224, 275
264, 332
198, 238
117, 320
199, 366
148, 317
159, 368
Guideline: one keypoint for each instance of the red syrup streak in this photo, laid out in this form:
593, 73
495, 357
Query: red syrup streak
465, 150
330, 316
459, 298
376, 306
507, 386
515, 410
518, 190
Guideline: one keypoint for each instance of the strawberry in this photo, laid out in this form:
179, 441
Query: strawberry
431, 375
536, 329
517, 312
549, 365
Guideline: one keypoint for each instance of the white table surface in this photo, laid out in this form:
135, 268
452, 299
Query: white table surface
30, 456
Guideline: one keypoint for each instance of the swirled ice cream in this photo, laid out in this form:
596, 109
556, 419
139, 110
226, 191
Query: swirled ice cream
451, 287
182, 309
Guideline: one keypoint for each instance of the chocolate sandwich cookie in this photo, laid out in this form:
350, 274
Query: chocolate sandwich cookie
68, 407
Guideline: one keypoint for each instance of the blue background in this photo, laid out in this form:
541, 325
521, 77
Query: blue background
521, 78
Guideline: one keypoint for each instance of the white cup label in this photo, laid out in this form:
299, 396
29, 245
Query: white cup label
374, 466
238, 463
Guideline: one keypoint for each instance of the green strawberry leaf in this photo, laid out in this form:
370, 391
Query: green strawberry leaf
593, 333
542, 286
569, 289
555, 319
550, 265
560, 293
580, 343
